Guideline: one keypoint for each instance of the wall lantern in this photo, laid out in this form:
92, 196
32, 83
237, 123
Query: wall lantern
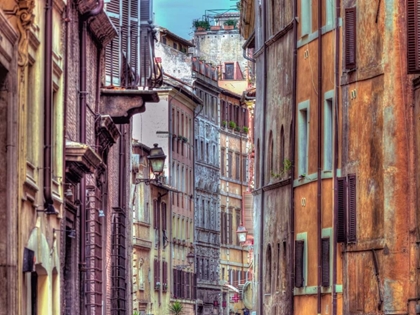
157, 160
190, 258
241, 231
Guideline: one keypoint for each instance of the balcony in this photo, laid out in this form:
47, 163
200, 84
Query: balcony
131, 69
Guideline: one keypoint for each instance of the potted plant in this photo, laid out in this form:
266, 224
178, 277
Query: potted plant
157, 286
224, 123
245, 129
164, 287
215, 27
201, 25
229, 24
232, 125
176, 308
184, 139
237, 128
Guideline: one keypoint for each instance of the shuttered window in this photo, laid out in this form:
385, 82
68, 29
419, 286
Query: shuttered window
163, 205
156, 272
229, 228
341, 209
175, 281
164, 276
413, 36
350, 38
299, 248
325, 256
352, 208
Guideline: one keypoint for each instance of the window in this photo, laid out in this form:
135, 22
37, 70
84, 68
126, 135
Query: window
270, 155
244, 168
257, 165
328, 132
175, 46
282, 153
230, 164
350, 38
238, 223
237, 166
305, 17
268, 270
330, 9
413, 35
325, 258
301, 259
164, 40
303, 135
347, 209
229, 71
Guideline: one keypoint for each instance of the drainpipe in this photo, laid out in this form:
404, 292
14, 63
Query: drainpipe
262, 163
292, 158
82, 138
48, 52
319, 180
337, 90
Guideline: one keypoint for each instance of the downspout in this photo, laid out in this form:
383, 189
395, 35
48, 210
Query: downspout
82, 138
292, 158
336, 102
319, 180
262, 163
48, 53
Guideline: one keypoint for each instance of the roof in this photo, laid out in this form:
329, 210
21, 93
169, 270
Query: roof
176, 37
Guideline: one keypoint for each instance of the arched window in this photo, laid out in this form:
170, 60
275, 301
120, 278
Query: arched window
257, 165
282, 153
268, 269
270, 157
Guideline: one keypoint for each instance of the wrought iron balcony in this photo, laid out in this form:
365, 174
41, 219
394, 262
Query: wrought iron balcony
130, 60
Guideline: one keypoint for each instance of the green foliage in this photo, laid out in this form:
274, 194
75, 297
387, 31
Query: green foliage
224, 123
232, 125
245, 129
287, 166
205, 24
237, 128
176, 308
230, 22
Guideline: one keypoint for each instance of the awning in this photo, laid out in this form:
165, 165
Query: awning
231, 287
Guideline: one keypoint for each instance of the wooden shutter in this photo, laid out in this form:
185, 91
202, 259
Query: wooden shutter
352, 208
194, 289
229, 228
413, 36
156, 272
155, 215
325, 256
163, 205
187, 285
341, 209
165, 272
175, 281
299, 248
179, 283
181, 286
350, 38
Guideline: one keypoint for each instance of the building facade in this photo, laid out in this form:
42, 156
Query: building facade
170, 124
354, 146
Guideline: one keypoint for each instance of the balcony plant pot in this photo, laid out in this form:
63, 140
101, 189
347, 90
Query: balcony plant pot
215, 28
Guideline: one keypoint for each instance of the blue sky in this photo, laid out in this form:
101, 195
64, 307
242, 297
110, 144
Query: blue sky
177, 15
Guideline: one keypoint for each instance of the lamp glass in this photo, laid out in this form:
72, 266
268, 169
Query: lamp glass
157, 159
190, 258
241, 231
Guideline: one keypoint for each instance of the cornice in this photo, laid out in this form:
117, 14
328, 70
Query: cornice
7, 29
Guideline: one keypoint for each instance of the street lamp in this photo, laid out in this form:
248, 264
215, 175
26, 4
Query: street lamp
190, 260
241, 231
156, 161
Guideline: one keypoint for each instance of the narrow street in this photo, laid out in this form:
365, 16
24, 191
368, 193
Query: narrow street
233, 157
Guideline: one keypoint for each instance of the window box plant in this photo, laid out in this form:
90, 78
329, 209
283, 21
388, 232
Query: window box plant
229, 24
232, 125
201, 25
245, 129
224, 123
164, 287
157, 286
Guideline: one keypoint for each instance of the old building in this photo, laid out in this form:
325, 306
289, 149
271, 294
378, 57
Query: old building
352, 210
32, 92
171, 125
66, 247
206, 176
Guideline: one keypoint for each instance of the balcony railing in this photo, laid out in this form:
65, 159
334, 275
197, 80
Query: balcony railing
130, 61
